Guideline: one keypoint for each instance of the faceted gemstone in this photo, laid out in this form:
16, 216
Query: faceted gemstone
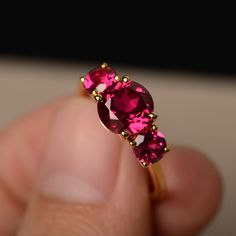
100, 78
126, 107
150, 146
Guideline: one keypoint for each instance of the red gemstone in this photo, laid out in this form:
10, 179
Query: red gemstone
126, 107
100, 78
150, 146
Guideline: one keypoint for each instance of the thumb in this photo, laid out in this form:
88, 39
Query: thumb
89, 184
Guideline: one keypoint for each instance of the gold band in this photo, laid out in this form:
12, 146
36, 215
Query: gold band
158, 189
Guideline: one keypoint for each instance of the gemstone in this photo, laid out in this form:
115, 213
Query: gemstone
100, 78
150, 146
126, 107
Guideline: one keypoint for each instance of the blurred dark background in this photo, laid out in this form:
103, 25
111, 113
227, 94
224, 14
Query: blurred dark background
147, 39
166, 56
150, 53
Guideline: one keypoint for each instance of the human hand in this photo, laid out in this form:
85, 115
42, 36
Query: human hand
62, 173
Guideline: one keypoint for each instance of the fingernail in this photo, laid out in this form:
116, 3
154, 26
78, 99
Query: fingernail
81, 158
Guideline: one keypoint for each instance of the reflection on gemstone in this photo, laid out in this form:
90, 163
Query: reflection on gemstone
150, 146
100, 79
129, 107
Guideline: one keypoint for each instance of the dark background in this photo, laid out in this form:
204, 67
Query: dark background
167, 57
191, 44
154, 54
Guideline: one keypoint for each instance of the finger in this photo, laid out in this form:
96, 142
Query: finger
87, 185
194, 193
24, 142
20, 148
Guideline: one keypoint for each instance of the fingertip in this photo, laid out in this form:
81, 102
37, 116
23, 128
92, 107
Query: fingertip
194, 192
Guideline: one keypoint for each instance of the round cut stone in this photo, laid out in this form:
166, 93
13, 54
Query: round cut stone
126, 107
150, 146
100, 79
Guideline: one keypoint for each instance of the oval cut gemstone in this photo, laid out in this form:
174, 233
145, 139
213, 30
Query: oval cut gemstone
100, 79
150, 146
126, 107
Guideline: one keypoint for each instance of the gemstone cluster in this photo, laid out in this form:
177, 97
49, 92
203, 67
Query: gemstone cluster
125, 107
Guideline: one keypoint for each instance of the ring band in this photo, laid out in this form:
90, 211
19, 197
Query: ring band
158, 188
126, 108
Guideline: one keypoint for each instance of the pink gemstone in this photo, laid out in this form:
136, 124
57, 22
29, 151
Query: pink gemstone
99, 78
126, 107
150, 146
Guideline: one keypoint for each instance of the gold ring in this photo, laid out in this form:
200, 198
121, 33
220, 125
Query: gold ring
126, 108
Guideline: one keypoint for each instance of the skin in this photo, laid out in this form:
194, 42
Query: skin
194, 184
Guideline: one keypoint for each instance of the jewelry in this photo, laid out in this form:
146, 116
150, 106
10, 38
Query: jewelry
126, 108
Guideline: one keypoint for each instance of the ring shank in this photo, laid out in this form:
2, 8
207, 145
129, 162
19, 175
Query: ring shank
158, 184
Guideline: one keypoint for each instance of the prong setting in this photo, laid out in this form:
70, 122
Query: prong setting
82, 79
118, 78
94, 92
133, 143
154, 127
97, 96
167, 149
153, 116
125, 79
104, 65
124, 134
144, 164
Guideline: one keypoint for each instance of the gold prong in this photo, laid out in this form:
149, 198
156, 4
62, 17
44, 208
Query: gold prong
154, 127
144, 164
104, 65
117, 78
153, 116
124, 134
95, 92
167, 149
133, 143
98, 98
125, 79
82, 79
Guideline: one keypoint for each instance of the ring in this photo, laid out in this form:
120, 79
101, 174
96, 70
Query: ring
126, 108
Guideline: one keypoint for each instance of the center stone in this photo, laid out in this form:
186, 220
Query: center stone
126, 107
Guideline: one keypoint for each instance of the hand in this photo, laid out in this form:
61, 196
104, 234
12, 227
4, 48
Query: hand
62, 173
